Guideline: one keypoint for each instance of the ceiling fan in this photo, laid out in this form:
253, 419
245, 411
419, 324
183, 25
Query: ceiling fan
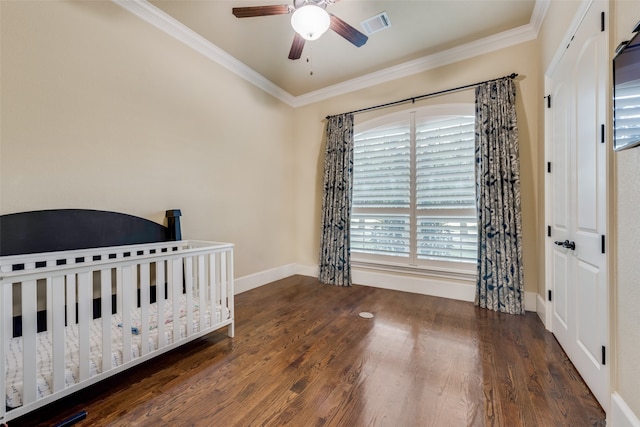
309, 20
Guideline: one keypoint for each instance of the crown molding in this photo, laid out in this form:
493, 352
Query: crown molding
164, 22
540, 9
469, 50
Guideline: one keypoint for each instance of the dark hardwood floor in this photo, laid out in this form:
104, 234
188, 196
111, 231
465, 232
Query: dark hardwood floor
303, 357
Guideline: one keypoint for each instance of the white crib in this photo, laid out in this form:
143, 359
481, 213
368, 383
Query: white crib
107, 309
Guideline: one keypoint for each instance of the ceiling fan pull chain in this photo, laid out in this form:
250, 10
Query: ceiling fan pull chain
309, 59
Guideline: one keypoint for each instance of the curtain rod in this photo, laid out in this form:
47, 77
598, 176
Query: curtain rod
416, 98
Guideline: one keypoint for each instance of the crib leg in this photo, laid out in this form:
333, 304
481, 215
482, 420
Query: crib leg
230, 330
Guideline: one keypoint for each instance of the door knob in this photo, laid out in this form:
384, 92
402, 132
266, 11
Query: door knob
566, 244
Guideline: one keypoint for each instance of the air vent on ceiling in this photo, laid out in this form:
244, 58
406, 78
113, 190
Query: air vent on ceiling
376, 23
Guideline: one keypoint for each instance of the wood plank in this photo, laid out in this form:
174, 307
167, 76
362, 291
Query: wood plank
303, 356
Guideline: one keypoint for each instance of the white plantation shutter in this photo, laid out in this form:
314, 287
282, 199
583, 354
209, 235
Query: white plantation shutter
381, 166
444, 163
382, 182
381, 234
445, 181
414, 191
450, 238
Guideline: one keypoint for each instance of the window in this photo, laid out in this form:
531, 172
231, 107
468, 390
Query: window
414, 189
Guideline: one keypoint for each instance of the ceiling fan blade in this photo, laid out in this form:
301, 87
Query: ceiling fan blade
296, 47
347, 31
251, 11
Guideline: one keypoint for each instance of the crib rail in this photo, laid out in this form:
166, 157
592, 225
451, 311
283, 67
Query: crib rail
192, 282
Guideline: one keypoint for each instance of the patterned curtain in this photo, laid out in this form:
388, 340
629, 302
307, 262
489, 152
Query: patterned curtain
335, 251
500, 274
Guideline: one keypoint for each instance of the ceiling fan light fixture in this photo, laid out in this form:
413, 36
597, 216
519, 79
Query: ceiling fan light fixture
310, 21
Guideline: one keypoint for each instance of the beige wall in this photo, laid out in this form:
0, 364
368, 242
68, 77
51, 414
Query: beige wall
101, 110
309, 133
626, 314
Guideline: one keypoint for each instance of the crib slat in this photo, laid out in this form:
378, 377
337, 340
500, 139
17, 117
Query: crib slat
161, 299
85, 314
6, 323
49, 301
6, 303
29, 341
176, 286
188, 266
106, 310
119, 290
169, 306
223, 281
56, 327
202, 293
213, 282
230, 301
144, 308
127, 288
70, 287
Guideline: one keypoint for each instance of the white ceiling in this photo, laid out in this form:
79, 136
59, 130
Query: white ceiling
423, 33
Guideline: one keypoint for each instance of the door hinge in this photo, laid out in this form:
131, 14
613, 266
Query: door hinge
602, 133
548, 167
604, 355
548, 231
602, 244
549, 295
548, 97
601, 21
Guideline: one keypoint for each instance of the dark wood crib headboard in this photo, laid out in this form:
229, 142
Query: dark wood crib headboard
69, 229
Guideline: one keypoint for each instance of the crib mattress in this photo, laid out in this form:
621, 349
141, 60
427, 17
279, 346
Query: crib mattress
14, 359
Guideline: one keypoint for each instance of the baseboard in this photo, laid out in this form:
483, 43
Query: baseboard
424, 285
307, 270
541, 309
621, 415
530, 299
261, 278
457, 289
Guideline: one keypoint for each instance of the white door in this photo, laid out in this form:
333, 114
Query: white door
578, 177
